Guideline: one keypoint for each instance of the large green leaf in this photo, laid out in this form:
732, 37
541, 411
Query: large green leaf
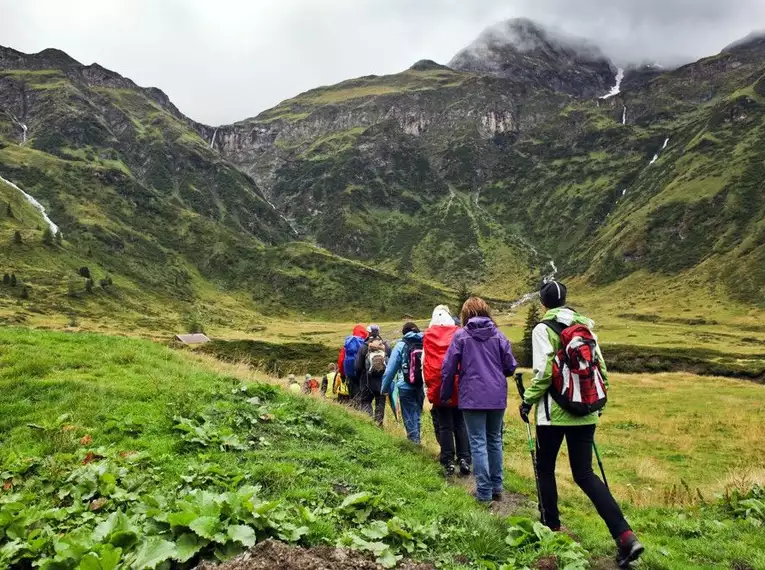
188, 546
152, 552
242, 534
206, 527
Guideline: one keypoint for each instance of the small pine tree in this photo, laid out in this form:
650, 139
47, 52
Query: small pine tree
89, 285
59, 238
532, 320
6, 279
13, 280
17, 237
463, 295
25, 292
47, 236
8, 210
85, 272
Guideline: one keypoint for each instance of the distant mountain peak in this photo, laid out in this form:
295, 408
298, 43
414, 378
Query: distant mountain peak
428, 65
527, 51
755, 39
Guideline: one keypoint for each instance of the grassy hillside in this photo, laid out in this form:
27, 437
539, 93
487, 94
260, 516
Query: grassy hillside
171, 457
141, 197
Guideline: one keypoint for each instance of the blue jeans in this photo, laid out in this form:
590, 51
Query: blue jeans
485, 433
411, 401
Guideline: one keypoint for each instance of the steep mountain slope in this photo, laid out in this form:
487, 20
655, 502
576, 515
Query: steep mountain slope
664, 177
138, 194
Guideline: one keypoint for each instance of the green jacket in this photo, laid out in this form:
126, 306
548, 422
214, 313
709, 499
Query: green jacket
546, 344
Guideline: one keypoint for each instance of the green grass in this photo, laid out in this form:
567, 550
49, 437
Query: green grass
660, 440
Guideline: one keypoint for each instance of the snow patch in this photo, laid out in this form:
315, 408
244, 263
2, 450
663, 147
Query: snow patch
53, 227
616, 89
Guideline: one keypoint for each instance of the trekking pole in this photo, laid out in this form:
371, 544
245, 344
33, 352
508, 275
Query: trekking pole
532, 449
600, 464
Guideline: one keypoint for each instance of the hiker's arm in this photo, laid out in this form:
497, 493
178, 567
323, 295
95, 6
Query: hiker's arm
509, 364
340, 360
543, 354
358, 365
603, 367
390, 371
449, 369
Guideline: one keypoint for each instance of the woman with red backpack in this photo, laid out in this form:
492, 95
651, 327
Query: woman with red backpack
482, 356
448, 422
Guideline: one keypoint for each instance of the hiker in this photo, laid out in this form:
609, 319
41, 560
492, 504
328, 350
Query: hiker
346, 361
554, 422
294, 387
371, 362
405, 369
328, 380
484, 359
310, 385
448, 421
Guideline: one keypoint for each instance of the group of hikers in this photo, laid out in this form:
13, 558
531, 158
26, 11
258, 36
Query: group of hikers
461, 364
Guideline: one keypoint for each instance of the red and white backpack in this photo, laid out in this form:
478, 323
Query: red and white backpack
577, 377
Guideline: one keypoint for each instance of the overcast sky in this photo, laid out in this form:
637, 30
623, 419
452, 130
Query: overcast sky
226, 60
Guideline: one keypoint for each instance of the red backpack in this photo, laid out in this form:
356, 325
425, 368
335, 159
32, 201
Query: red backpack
577, 378
435, 343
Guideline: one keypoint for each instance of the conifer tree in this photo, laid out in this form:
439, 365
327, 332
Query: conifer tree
8, 210
89, 285
13, 280
25, 292
47, 236
59, 238
17, 237
532, 320
6, 279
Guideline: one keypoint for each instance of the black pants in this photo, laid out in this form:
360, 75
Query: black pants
579, 440
451, 434
366, 397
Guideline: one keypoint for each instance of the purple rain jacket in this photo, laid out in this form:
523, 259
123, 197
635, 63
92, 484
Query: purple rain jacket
484, 358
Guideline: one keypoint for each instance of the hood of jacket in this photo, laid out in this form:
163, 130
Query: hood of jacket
568, 317
413, 336
360, 331
441, 317
481, 328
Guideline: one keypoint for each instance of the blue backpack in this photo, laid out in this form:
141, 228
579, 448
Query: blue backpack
352, 346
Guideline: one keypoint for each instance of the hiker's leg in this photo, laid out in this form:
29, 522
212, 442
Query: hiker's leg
420, 399
495, 421
579, 440
475, 421
549, 440
436, 428
365, 400
445, 435
460, 435
410, 414
379, 408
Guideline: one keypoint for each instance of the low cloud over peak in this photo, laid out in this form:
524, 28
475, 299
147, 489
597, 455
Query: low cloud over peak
226, 60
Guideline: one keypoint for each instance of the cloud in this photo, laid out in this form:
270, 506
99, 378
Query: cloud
227, 60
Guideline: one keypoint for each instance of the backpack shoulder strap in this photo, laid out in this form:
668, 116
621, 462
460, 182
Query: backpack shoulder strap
555, 326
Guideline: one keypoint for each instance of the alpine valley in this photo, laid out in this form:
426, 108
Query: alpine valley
529, 146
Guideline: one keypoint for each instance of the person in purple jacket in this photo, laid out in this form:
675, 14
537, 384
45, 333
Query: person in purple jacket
484, 359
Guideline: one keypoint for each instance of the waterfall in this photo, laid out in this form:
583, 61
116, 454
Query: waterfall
616, 89
534, 294
656, 156
53, 227
624, 115
23, 133
212, 142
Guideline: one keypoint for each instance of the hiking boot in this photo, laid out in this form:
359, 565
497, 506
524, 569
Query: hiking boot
496, 496
449, 470
630, 549
480, 500
464, 468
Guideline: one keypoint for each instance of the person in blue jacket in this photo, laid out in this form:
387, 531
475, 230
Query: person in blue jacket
411, 396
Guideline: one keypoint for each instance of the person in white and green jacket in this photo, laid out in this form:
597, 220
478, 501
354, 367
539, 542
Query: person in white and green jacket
554, 424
